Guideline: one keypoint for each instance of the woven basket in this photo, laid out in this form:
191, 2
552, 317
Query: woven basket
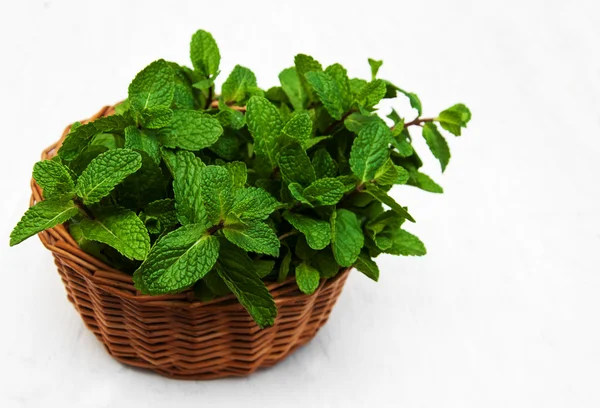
174, 335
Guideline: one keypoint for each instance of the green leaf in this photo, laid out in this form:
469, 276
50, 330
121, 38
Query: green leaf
307, 278
454, 118
370, 150
386, 174
328, 92
153, 87
414, 100
366, 265
340, 76
405, 243
323, 164
375, 65
305, 63
43, 215
297, 192
236, 269
236, 87
299, 127
156, 117
325, 191
54, 178
106, 171
295, 166
142, 187
265, 125
204, 53
325, 263
263, 267
293, 88
186, 169
137, 139
230, 117
190, 130
177, 261
239, 173
371, 93
253, 203
355, 121
382, 197
424, 182
159, 216
437, 144
216, 191
346, 237
254, 236
284, 267
317, 232
119, 228
215, 283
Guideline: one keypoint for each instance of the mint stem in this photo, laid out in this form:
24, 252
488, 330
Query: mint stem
418, 122
84, 209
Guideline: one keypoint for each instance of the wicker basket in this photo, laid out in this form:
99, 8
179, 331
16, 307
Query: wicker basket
174, 335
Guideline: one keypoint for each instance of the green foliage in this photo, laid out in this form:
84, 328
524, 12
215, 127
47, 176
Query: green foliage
192, 191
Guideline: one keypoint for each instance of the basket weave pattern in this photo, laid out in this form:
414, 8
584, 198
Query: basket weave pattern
174, 335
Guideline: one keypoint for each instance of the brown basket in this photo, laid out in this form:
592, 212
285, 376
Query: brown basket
174, 335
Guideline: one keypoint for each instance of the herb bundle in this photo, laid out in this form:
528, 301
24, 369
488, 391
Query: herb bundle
186, 189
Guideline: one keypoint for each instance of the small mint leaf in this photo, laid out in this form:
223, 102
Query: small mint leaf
346, 237
254, 236
54, 178
307, 278
293, 88
152, 87
366, 265
295, 166
437, 144
237, 87
204, 53
137, 139
455, 118
317, 232
190, 130
328, 92
375, 65
370, 150
43, 215
253, 203
382, 197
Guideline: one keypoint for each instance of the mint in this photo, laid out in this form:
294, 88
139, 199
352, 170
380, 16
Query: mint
217, 191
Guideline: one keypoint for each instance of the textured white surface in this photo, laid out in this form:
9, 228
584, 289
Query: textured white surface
503, 312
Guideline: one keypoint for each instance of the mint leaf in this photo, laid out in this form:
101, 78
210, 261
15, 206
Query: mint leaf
204, 53
284, 266
370, 150
142, 187
299, 127
325, 191
229, 117
239, 173
346, 237
190, 130
328, 92
159, 216
390, 174
355, 121
382, 197
236, 270
325, 263
264, 267
43, 215
153, 87
177, 261
104, 172
119, 228
254, 236
375, 65
405, 243
238, 85
186, 169
265, 125
340, 76
323, 164
156, 117
216, 187
137, 139
253, 203
414, 100
424, 182
304, 64
455, 118
54, 178
307, 278
437, 144
317, 232
293, 88
366, 265
297, 192
295, 166
371, 93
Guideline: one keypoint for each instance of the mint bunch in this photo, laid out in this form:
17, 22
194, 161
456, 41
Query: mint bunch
186, 189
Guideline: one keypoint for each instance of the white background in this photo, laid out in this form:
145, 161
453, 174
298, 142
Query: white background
502, 312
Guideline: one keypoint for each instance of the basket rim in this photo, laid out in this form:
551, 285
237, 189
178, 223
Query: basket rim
58, 240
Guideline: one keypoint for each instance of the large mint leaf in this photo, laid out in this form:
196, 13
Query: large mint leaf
238, 273
204, 53
437, 144
54, 178
347, 237
253, 203
295, 166
79, 136
216, 191
455, 118
177, 261
190, 130
370, 150
136, 139
106, 171
328, 92
405, 243
186, 169
153, 87
304, 64
240, 83
366, 265
119, 228
325, 191
265, 125
254, 236
45, 214
290, 82
307, 278
382, 197
317, 232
